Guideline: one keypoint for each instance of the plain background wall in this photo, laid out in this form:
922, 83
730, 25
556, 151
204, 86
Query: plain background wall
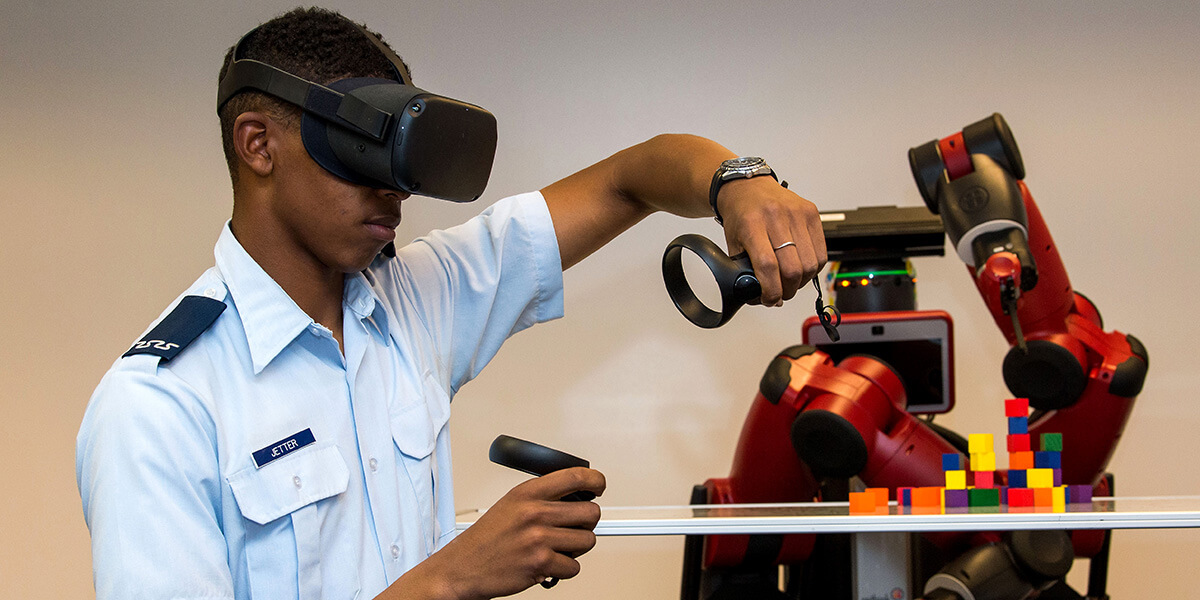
114, 190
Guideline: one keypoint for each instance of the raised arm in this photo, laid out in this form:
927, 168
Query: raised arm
673, 173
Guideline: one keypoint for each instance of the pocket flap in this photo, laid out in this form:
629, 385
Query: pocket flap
414, 430
289, 483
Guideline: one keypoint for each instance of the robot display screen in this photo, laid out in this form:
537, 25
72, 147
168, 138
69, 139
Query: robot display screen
917, 345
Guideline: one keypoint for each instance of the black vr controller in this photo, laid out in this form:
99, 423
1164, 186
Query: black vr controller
536, 459
377, 132
867, 233
735, 278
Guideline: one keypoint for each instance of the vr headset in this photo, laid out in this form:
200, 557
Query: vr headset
379, 133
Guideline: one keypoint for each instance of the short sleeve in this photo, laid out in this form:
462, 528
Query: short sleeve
473, 286
148, 476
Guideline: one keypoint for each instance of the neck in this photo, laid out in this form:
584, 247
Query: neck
315, 287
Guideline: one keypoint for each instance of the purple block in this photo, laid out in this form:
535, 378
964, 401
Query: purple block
1057, 477
1079, 494
1004, 495
957, 498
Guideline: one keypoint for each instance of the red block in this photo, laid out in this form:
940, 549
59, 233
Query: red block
1020, 497
984, 480
1019, 442
1016, 407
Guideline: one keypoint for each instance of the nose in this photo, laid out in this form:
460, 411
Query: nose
393, 195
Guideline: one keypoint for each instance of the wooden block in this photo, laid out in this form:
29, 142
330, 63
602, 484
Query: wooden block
980, 498
1016, 407
881, 497
1047, 459
1043, 497
927, 497
1018, 425
862, 503
1020, 497
984, 479
957, 498
983, 461
1059, 498
1051, 441
1079, 494
1040, 478
1018, 478
1018, 442
978, 443
953, 461
1020, 460
956, 480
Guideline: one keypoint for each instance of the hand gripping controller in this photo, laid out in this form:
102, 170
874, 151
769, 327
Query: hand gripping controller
537, 460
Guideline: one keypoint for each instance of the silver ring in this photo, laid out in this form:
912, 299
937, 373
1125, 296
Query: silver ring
784, 245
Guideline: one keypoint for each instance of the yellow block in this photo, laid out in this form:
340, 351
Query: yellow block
1039, 478
1060, 499
979, 443
983, 461
956, 480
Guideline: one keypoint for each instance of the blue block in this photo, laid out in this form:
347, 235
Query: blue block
1018, 425
1017, 478
953, 461
1047, 459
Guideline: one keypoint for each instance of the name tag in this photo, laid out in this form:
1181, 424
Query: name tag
283, 447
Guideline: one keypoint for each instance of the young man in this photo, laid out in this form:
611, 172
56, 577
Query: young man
280, 433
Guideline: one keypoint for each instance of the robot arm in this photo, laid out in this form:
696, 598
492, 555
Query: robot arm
1082, 380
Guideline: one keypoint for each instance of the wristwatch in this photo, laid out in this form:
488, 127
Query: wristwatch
736, 168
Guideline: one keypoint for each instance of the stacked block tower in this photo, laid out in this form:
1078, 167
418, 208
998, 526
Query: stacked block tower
1035, 476
1034, 479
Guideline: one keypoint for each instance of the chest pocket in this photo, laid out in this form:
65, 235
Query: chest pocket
415, 430
291, 486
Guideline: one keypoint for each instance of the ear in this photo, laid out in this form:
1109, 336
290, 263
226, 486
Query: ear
252, 132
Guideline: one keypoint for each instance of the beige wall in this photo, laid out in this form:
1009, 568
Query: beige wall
114, 190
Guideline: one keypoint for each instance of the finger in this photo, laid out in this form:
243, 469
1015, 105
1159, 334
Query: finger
809, 250
766, 265
553, 486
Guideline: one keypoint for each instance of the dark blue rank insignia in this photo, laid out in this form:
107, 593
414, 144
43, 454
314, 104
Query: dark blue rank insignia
191, 317
283, 448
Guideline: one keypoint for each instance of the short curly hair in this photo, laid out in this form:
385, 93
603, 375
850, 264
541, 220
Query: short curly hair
317, 44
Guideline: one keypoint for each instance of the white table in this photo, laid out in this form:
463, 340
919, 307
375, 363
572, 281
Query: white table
879, 546
1149, 512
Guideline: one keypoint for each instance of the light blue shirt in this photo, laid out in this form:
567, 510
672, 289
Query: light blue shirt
178, 507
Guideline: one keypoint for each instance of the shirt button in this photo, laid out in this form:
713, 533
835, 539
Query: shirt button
374, 464
395, 551
296, 480
211, 293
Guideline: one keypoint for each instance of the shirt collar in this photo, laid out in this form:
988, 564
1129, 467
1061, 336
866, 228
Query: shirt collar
270, 317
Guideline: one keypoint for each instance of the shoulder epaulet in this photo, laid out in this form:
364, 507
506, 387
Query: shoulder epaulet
191, 317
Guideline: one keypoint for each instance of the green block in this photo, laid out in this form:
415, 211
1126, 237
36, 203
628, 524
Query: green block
980, 497
1052, 442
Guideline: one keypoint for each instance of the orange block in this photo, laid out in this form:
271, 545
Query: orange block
881, 496
862, 503
873, 501
1020, 460
1043, 497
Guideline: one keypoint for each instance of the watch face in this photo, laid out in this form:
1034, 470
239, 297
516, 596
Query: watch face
743, 167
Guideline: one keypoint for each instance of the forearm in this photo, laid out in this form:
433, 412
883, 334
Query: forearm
667, 173
670, 173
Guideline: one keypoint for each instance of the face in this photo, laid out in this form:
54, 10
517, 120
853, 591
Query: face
339, 225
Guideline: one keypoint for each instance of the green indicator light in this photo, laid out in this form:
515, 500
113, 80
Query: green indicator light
869, 274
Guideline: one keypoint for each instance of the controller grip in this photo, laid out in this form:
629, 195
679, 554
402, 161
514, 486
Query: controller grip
536, 459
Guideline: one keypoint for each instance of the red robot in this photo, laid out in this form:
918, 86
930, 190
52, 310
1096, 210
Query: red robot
817, 422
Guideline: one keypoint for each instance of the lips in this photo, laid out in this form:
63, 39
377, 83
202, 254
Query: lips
383, 227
